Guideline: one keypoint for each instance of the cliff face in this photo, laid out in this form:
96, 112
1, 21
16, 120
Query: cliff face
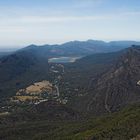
119, 86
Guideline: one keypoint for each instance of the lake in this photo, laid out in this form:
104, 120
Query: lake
63, 59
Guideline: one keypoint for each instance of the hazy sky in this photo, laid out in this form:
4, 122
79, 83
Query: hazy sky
24, 22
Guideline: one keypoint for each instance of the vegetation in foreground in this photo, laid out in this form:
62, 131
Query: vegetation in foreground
123, 125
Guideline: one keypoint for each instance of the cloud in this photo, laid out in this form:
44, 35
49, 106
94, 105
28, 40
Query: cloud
12, 29
45, 19
38, 20
132, 13
57, 19
66, 21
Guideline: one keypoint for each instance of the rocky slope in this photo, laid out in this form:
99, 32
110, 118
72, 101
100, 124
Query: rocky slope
119, 86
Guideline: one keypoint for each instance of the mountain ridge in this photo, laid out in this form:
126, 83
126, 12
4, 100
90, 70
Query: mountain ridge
118, 87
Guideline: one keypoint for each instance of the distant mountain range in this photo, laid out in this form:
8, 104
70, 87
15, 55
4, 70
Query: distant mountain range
80, 47
73, 48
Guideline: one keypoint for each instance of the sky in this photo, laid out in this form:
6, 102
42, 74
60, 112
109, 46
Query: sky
24, 22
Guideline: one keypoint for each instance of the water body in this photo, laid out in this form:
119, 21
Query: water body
63, 59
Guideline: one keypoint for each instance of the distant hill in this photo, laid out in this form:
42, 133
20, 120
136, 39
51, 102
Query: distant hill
7, 51
4, 54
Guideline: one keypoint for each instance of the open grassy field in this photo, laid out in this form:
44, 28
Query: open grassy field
25, 98
37, 88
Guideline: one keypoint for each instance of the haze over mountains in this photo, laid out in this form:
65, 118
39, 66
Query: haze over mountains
104, 80
86, 47
89, 45
33, 60
31, 63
